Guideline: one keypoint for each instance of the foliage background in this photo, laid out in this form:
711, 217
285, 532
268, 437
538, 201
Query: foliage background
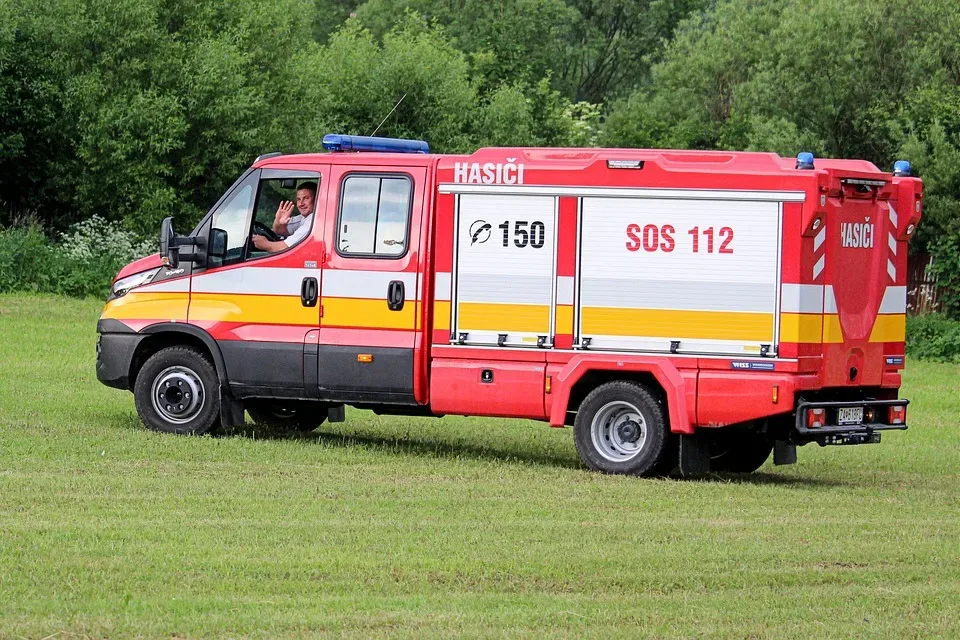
133, 110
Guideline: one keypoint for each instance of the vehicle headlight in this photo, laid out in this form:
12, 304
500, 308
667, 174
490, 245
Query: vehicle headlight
121, 286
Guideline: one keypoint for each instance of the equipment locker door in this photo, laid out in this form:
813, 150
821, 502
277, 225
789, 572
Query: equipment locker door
504, 270
371, 285
683, 275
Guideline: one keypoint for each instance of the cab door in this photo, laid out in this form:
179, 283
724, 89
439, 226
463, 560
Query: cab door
261, 305
371, 284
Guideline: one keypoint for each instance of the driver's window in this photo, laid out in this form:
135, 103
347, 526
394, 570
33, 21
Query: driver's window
233, 216
284, 214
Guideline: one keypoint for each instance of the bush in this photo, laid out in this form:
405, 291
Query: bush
933, 337
83, 265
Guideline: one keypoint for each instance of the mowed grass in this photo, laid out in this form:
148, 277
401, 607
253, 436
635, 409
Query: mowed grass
390, 526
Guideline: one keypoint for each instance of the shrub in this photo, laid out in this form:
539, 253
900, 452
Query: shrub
933, 336
83, 265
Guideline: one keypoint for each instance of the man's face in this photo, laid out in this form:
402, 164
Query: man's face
304, 201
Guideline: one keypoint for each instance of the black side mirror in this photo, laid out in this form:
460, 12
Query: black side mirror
218, 244
167, 248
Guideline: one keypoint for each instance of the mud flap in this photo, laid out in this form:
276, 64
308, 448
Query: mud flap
694, 455
784, 452
337, 413
231, 409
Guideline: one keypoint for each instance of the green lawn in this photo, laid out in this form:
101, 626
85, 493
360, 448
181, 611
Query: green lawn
438, 527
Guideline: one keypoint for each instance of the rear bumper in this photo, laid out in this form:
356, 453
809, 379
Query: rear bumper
832, 433
114, 356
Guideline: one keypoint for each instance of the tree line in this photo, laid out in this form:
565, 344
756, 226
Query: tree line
134, 110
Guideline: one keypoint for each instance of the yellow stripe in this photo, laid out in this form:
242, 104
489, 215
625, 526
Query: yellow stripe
369, 314
658, 323
504, 318
889, 328
441, 315
801, 327
148, 306
832, 333
228, 307
564, 319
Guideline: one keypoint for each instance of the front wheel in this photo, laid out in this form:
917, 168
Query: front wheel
622, 428
177, 391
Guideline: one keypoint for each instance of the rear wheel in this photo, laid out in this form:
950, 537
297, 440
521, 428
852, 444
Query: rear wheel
177, 391
622, 428
738, 451
288, 416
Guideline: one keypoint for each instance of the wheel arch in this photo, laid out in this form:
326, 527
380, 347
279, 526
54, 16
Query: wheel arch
583, 373
171, 334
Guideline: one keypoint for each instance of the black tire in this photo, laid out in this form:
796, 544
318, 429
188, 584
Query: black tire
609, 409
287, 416
178, 376
738, 451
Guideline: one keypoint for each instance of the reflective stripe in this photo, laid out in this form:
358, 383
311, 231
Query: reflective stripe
889, 328
679, 325
252, 309
801, 327
441, 287
138, 305
829, 300
503, 318
363, 313
179, 285
345, 283
801, 298
894, 300
338, 283
565, 290
254, 280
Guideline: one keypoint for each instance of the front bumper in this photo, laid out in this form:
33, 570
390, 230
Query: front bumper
116, 347
861, 433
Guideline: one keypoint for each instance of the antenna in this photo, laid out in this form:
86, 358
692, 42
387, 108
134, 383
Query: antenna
388, 115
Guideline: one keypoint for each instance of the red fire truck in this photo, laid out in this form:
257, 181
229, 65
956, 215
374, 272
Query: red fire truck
677, 308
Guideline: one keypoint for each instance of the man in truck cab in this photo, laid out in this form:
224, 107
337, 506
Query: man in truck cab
291, 229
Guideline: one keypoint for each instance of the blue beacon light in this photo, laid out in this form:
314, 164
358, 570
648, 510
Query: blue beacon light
805, 160
901, 168
339, 142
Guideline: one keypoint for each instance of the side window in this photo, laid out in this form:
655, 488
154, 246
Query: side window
233, 216
284, 213
374, 215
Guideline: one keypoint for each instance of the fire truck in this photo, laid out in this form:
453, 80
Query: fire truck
697, 310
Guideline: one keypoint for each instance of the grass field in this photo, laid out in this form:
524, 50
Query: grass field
438, 527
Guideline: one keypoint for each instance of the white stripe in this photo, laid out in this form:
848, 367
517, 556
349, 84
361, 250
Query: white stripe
894, 300
820, 238
564, 289
620, 192
346, 283
281, 281
180, 285
441, 287
802, 298
893, 215
829, 300
892, 243
818, 268
891, 270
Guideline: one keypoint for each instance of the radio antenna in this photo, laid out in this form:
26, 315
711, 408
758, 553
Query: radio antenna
388, 115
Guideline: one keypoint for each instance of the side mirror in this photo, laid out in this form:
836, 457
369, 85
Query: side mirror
218, 244
167, 248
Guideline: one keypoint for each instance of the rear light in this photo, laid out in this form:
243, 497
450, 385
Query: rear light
870, 416
897, 414
816, 418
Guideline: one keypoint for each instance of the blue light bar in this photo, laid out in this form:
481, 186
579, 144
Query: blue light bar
805, 160
338, 142
901, 168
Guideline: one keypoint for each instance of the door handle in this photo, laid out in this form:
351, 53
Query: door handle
395, 295
308, 292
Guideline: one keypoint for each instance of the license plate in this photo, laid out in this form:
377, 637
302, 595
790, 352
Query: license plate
850, 415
